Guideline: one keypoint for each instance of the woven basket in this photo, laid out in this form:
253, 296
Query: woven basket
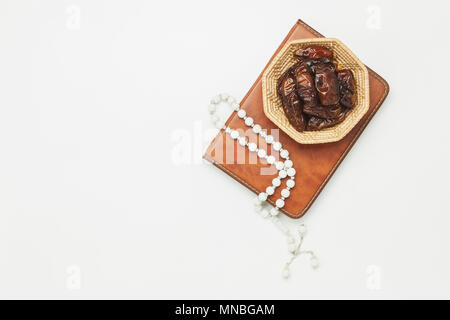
285, 59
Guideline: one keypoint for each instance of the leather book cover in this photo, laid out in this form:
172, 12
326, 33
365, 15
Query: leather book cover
314, 163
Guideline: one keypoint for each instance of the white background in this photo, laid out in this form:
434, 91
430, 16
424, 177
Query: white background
94, 202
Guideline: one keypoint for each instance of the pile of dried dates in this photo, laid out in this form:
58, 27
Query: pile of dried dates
314, 92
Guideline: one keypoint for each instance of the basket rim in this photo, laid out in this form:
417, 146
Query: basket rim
331, 134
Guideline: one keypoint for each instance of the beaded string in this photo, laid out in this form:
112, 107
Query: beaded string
285, 169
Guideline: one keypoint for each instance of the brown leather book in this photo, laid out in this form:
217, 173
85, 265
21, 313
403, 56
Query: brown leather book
315, 164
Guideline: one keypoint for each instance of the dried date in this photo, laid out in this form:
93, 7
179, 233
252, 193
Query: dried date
305, 84
346, 88
314, 52
326, 84
324, 112
292, 104
316, 123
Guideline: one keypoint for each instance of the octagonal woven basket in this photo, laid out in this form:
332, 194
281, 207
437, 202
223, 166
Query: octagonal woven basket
285, 59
